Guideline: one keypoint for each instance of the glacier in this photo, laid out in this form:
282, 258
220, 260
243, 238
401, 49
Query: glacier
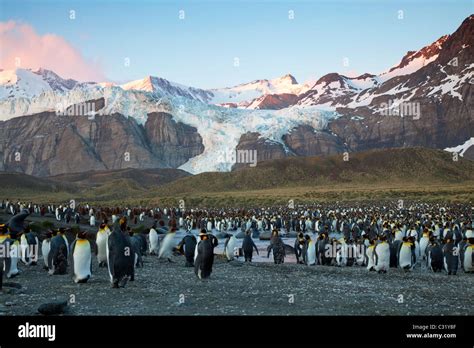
219, 127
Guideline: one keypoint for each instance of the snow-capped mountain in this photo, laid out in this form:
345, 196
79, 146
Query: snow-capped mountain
244, 94
29, 83
167, 88
171, 125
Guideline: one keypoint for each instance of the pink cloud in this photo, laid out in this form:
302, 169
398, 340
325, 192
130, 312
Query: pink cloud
20, 43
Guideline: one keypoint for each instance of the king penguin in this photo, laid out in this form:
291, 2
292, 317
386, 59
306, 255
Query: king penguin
167, 245
101, 242
468, 256
58, 255
187, 246
154, 241
120, 256
229, 246
247, 247
425, 239
12, 249
370, 255
45, 248
451, 257
382, 255
81, 260
29, 246
204, 256
406, 255
310, 252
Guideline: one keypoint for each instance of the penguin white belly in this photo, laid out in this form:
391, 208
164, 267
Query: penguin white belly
423, 245
24, 250
108, 259
14, 256
405, 257
45, 248
311, 254
196, 251
101, 242
154, 242
370, 258
383, 257
229, 250
399, 235
468, 259
82, 260
167, 246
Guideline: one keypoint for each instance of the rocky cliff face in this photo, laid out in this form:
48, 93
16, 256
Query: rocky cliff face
46, 144
306, 141
266, 149
173, 143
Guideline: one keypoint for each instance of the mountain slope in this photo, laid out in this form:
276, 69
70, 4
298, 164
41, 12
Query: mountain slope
391, 166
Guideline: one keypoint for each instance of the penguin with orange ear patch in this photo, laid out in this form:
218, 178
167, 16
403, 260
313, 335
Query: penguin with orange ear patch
204, 258
81, 262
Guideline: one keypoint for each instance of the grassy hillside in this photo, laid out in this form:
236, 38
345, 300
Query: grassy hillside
388, 174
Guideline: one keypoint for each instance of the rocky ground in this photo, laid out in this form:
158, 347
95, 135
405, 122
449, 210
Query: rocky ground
235, 288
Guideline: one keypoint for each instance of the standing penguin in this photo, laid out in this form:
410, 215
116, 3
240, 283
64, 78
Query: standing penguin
81, 260
370, 255
300, 242
247, 247
187, 246
204, 256
278, 247
120, 257
434, 256
310, 251
468, 256
406, 259
154, 241
424, 241
11, 248
382, 255
57, 256
29, 246
167, 245
45, 248
101, 242
451, 257
229, 245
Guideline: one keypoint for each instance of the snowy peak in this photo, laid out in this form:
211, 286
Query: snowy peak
164, 87
21, 83
56, 82
29, 83
415, 60
243, 94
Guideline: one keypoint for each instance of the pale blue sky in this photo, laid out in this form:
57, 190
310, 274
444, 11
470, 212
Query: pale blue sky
200, 50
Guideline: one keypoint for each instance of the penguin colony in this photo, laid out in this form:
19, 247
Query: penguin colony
432, 237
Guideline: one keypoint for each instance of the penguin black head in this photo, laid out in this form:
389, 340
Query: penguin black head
3, 229
82, 235
247, 232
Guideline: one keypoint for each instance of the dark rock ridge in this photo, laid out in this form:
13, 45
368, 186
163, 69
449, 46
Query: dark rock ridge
46, 144
266, 149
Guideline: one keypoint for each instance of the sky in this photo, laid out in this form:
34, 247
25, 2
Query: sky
211, 43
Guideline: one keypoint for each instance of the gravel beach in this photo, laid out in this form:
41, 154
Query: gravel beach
235, 288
